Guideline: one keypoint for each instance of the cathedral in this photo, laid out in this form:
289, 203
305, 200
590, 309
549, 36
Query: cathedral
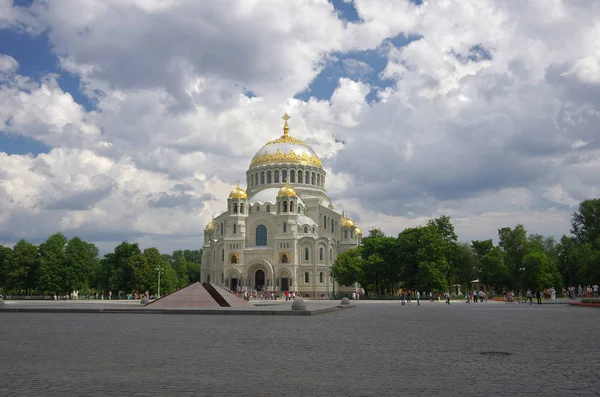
282, 233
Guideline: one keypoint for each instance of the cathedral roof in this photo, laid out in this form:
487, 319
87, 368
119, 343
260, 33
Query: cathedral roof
286, 150
268, 195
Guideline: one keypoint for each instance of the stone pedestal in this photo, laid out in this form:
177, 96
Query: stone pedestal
299, 304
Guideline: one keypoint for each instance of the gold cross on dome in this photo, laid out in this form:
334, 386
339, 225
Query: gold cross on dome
286, 128
238, 183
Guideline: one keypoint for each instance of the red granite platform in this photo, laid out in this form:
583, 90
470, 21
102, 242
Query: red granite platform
231, 299
192, 296
200, 296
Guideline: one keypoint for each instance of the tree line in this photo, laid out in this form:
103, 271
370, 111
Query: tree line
430, 258
60, 266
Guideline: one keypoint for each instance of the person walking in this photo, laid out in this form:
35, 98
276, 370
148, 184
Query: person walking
402, 298
408, 303
529, 297
418, 298
538, 296
447, 296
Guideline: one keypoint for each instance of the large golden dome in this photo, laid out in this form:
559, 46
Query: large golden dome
238, 193
286, 150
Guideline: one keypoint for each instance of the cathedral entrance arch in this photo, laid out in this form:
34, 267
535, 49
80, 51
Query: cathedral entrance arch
260, 275
259, 280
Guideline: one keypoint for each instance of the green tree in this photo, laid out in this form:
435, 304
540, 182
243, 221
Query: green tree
81, 260
514, 243
452, 253
347, 268
6, 257
467, 268
22, 270
424, 247
381, 267
53, 274
115, 271
585, 224
493, 270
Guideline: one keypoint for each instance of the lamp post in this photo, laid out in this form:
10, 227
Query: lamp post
521, 272
159, 270
333, 286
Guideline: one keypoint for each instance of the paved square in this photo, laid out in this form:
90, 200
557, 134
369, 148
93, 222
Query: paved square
377, 349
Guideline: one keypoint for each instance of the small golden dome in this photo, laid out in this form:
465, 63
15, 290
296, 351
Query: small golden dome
357, 231
347, 222
287, 191
210, 226
238, 193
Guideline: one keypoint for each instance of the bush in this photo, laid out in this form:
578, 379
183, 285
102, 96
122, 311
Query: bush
589, 300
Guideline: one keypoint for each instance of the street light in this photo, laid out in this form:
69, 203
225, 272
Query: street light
159, 270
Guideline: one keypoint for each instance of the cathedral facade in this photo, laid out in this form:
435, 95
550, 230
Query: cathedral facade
282, 233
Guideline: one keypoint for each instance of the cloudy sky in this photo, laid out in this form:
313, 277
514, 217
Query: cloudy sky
133, 119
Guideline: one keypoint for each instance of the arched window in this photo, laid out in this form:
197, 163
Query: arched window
276, 176
222, 229
256, 179
257, 207
208, 278
305, 253
321, 254
299, 208
268, 208
306, 277
235, 208
314, 230
241, 208
307, 177
234, 228
332, 229
284, 227
292, 176
262, 178
330, 254
299, 176
312, 179
318, 179
291, 206
223, 255
345, 234
284, 176
306, 229
321, 277
284, 258
268, 176
324, 221
261, 235
249, 209
285, 206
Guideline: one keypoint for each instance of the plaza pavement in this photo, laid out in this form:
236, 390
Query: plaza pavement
376, 349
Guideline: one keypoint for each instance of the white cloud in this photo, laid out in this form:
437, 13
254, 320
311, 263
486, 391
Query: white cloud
492, 116
8, 64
